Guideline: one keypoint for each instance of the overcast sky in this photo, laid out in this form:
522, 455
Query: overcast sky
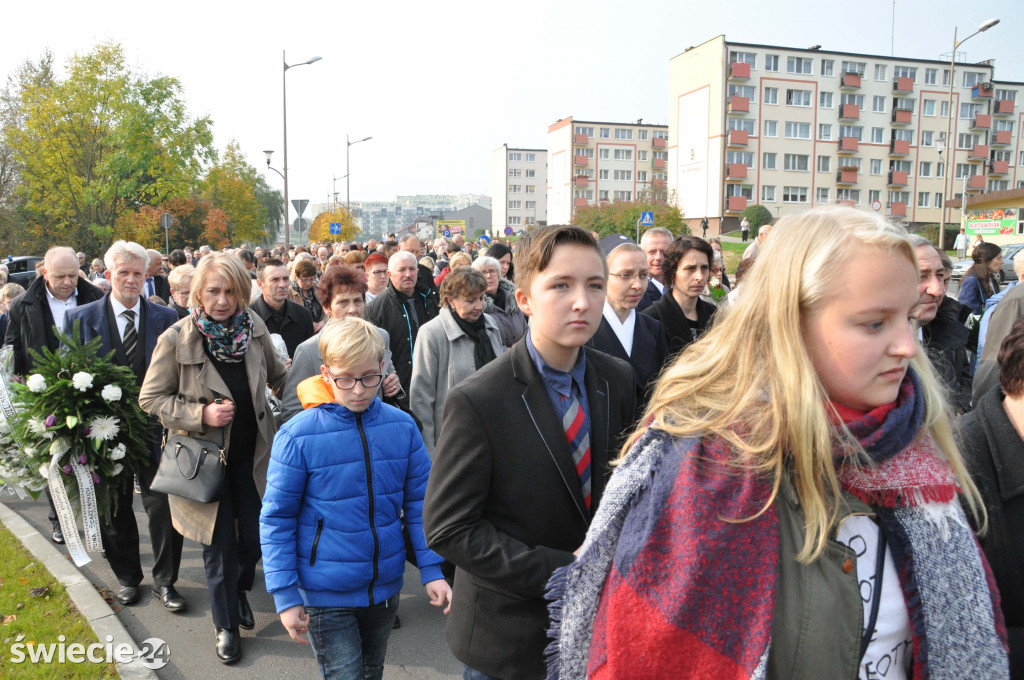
439, 85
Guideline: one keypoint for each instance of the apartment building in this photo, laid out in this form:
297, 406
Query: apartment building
596, 162
518, 184
382, 217
793, 128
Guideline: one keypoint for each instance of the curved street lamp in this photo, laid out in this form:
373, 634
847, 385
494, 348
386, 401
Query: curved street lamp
284, 100
348, 172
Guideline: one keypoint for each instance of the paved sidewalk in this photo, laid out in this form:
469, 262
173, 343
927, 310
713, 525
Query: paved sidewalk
417, 650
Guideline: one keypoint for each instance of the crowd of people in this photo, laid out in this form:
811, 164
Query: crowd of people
606, 459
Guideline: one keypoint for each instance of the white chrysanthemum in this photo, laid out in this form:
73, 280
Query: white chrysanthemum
44, 470
104, 428
36, 383
714, 282
4, 426
81, 381
117, 469
111, 393
36, 426
118, 452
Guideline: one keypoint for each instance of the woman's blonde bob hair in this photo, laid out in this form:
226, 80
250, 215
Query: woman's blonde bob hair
750, 380
228, 266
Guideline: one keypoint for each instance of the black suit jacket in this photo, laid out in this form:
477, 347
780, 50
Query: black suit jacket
295, 327
651, 295
163, 288
31, 322
650, 348
504, 503
679, 330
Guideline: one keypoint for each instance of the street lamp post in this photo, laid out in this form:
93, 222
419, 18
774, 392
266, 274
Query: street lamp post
348, 172
951, 158
284, 104
268, 153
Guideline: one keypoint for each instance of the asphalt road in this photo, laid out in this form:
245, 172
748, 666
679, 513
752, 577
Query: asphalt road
416, 650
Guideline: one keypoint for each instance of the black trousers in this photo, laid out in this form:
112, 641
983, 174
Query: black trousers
231, 557
121, 536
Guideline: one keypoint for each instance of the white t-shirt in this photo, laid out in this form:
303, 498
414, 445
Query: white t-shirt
891, 648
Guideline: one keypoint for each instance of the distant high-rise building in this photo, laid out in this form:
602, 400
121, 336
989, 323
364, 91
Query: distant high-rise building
519, 184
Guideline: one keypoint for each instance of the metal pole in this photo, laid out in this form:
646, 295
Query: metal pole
950, 148
963, 206
348, 204
284, 101
167, 242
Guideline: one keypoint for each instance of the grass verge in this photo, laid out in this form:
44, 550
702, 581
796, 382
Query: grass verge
33, 604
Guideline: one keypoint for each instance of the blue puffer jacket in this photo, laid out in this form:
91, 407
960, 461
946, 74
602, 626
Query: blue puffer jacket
331, 525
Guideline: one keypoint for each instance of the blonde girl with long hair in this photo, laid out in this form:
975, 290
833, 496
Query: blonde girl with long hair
789, 506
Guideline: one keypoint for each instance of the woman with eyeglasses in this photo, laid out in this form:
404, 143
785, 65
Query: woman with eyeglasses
637, 338
685, 317
501, 301
376, 267
717, 290
303, 291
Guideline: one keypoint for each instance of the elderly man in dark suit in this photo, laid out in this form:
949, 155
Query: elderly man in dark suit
156, 280
129, 325
33, 315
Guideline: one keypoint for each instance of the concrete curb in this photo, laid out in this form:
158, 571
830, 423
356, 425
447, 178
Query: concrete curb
93, 607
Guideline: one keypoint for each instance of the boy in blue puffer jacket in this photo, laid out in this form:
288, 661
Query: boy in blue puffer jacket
341, 473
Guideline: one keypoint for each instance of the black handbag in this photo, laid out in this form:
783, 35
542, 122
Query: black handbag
191, 468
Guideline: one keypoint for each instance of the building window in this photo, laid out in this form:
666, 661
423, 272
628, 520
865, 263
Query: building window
851, 195
824, 164
515, 188
515, 156
744, 157
532, 189
798, 65
903, 135
877, 135
768, 193
606, 133
531, 205
938, 199
661, 134
827, 66
928, 107
744, 57
940, 169
1004, 125
943, 109
623, 133
964, 170
930, 76
641, 155
927, 138
586, 151
796, 161
771, 95
602, 174
902, 166
623, 154
922, 199
966, 140
972, 78
641, 175
741, 124
794, 194
771, 128
582, 130
822, 195
604, 154
798, 130
514, 221
531, 173
904, 72
515, 205
661, 155
623, 175
824, 131
748, 91
878, 104
825, 100
602, 194
855, 131
771, 62
880, 71
848, 98
858, 67
874, 195
875, 166
623, 195
1006, 95
515, 172
925, 169
798, 97
768, 161
641, 135
531, 158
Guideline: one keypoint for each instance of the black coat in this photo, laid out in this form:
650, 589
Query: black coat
650, 348
651, 295
504, 504
389, 311
31, 322
680, 330
945, 341
295, 327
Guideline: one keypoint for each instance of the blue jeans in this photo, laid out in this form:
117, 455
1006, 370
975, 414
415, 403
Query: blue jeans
350, 642
473, 674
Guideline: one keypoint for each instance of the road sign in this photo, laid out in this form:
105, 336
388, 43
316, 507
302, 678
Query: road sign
509, 231
647, 219
166, 220
301, 224
484, 239
300, 205
447, 233
876, 205
335, 228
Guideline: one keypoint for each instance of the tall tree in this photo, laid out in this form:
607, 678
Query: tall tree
321, 228
231, 186
104, 142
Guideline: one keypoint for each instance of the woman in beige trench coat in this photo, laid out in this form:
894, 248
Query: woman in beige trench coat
207, 380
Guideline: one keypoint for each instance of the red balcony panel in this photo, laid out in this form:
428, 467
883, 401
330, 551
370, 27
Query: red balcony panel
659, 183
902, 117
979, 92
848, 144
739, 70
850, 80
999, 167
737, 171
898, 178
982, 121
899, 147
739, 105
1004, 107
846, 176
976, 182
1002, 138
902, 85
581, 160
850, 112
897, 209
738, 138
979, 152
658, 163
659, 142
737, 204
580, 202
581, 140
582, 180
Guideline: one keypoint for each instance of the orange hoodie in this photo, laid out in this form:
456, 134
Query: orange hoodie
313, 391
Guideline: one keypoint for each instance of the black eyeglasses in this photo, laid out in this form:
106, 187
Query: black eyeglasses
347, 383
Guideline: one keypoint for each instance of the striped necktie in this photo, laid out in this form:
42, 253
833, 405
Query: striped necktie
577, 432
131, 337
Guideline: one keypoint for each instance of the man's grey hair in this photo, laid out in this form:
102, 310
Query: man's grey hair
1018, 264
656, 231
122, 251
440, 241
58, 251
405, 238
204, 249
918, 241
393, 263
154, 254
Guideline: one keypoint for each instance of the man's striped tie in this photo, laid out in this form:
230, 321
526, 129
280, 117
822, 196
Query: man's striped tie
131, 337
577, 431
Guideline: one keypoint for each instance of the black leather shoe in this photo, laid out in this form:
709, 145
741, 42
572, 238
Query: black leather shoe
229, 645
245, 617
57, 535
172, 599
128, 595
397, 624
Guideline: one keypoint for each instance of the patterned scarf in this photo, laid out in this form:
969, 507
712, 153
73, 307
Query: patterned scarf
225, 342
664, 587
309, 301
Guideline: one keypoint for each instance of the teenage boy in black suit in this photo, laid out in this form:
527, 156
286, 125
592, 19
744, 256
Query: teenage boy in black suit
523, 458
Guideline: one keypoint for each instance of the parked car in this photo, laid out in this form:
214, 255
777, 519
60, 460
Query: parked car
22, 269
1007, 273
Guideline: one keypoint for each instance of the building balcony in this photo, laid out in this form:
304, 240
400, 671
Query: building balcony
580, 202
849, 145
659, 142
658, 163
581, 161
739, 71
849, 81
659, 183
979, 91
1002, 138
849, 112
899, 147
976, 183
846, 176
737, 138
898, 178
897, 209
736, 171
1003, 107
999, 168
903, 86
581, 140
978, 153
581, 181
902, 117
982, 121
735, 204
739, 106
